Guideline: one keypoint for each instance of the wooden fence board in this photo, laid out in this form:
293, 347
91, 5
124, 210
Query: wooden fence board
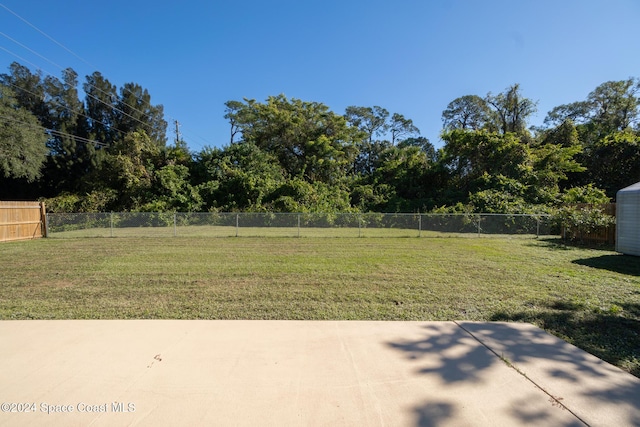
603, 235
21, 220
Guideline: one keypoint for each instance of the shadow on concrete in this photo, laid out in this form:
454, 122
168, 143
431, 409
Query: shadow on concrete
453, 366
607, 335
465, 367
623, 264
434, 414
570, 366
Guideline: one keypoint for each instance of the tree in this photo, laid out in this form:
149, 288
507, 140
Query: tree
468, 112
238, 115
22, 141
615, 162
28, 91
238, 177
100, 103
424, 144
470, 155
404, 169
511, 110
612, 106
134, 111
128, 168
554, 161
401, 127
308, 140
70, 157
370, 120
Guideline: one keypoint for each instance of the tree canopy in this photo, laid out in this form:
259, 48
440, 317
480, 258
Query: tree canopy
109, 151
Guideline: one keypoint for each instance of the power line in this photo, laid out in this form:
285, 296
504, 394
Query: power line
70, 110
123, 88
47, 35
61, 68
56, 132
88, 84
18, 56
30, 50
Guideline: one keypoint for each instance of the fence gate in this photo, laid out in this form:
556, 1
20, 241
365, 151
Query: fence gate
22, 220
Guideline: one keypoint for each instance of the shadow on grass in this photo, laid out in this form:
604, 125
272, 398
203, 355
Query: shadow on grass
559, 244
624, 264
607, 335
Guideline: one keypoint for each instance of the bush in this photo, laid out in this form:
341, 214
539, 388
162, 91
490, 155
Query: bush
580, 221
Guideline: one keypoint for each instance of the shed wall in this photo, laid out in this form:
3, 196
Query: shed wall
628, 220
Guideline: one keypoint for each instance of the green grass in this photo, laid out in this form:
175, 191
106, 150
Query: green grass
589, 297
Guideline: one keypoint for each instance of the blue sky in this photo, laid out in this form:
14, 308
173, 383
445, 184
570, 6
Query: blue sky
412, 57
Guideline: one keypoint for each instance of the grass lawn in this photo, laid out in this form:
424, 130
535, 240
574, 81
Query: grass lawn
588, 297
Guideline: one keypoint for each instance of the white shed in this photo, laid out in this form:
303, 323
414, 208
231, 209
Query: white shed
628, 220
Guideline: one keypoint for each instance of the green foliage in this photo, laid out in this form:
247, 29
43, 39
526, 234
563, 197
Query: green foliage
22, 141
297, 195
95, 201
467, 112
470, 155
307, 139
109, 152
586, 194
238, 177
580, 221
511, 110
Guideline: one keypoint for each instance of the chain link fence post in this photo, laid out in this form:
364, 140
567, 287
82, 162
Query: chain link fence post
175, 225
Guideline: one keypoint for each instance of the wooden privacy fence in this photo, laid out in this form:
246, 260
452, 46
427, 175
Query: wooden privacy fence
22, 220
605, 235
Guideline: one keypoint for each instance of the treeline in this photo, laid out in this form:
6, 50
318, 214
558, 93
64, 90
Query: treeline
109, 152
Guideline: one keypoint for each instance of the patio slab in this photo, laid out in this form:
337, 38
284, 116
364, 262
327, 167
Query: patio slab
317, 373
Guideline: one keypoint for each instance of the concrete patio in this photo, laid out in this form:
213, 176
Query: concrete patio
298, 373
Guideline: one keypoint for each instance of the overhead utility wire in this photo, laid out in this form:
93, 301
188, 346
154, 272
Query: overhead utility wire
77, 56
46, 35
70, 110
53, 131
60, 67
30, 50
64, 71
18, 56
88, 84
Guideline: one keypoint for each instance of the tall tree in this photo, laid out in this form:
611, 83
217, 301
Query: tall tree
134, 112
467, 112
469, 155
371, 122
101, 103
612, 106
28, 90
236, 112
401, 127
22, 141
309, 140
511, 110
70, 156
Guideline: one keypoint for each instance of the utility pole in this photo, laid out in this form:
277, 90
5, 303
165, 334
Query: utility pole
177, 133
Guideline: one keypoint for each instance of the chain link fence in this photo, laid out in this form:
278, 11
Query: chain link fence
166, 224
